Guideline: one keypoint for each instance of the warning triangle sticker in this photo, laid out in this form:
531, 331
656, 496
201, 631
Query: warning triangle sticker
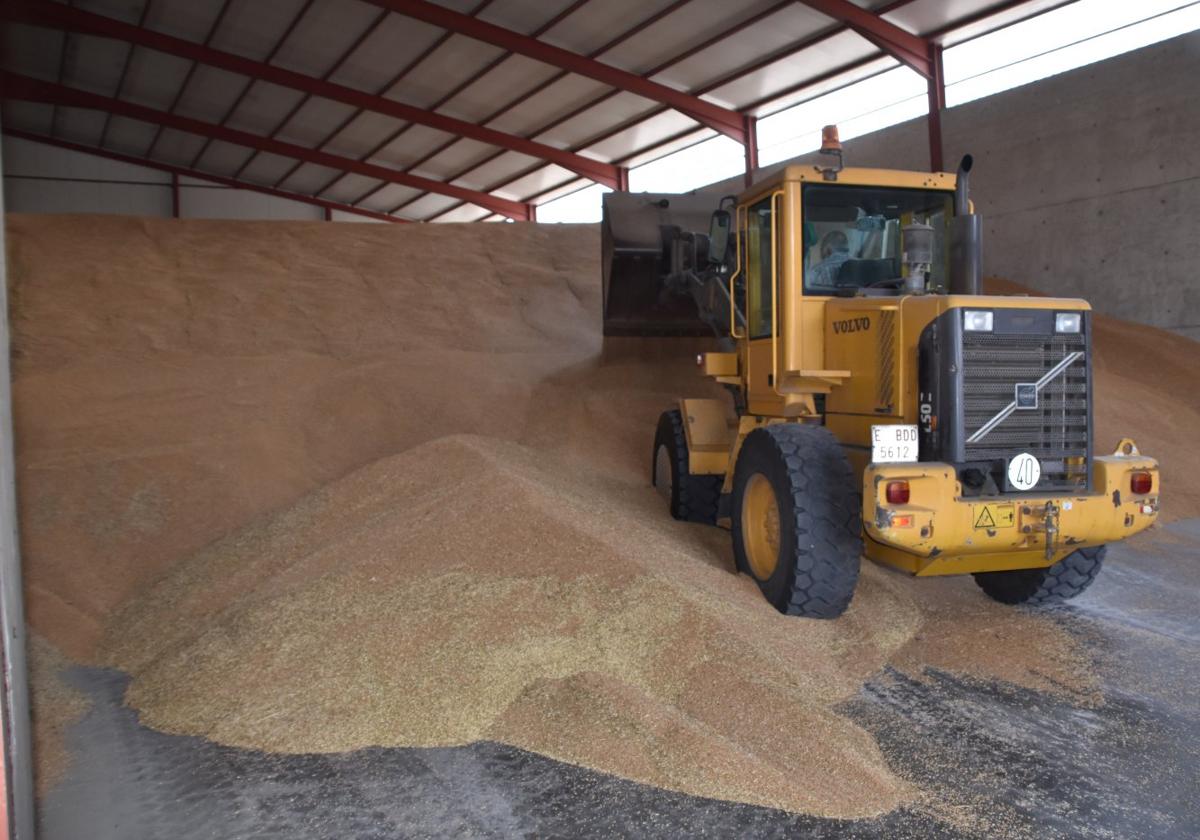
985, 519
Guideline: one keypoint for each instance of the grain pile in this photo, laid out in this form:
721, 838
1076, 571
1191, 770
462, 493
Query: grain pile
388, 486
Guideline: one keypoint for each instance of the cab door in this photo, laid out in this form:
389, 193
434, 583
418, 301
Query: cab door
764, 266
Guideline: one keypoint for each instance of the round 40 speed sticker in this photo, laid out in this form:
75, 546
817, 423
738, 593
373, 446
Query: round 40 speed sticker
1024, 471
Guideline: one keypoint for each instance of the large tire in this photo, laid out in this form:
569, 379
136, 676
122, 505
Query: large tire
794, 479
692, 498
1060, 582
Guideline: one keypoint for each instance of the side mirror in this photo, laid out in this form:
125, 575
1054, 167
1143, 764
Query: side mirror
718, 236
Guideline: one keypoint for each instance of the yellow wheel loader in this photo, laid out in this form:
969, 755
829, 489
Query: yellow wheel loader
881, 404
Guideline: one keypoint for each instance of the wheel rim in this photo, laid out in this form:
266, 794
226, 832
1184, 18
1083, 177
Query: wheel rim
760, 526
662, 472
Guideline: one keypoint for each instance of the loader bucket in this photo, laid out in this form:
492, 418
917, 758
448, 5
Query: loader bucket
636, 236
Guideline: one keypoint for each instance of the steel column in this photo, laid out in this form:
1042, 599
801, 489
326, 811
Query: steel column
751, 148
174, 195
16, 749
937, 104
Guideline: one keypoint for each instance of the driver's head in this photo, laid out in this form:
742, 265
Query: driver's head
833, 242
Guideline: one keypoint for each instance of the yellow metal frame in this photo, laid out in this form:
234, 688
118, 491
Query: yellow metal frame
776, 223
740, 213
941, 532
708, 434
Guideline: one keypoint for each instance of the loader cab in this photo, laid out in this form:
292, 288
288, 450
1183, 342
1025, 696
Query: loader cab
803, 240
854, 237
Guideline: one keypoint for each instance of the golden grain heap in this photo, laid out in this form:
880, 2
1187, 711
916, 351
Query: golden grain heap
320, 487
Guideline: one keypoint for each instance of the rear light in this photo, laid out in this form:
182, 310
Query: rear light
905, 521
1140, 483
897, 492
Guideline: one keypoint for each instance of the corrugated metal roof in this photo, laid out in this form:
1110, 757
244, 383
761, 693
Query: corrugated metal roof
753, 57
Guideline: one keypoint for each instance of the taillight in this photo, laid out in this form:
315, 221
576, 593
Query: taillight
897, 492
1140, 483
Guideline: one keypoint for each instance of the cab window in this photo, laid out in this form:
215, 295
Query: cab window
758, 267
852, 235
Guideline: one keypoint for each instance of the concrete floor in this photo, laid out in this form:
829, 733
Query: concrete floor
997, 760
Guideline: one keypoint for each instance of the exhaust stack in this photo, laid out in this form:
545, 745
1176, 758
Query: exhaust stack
966, 238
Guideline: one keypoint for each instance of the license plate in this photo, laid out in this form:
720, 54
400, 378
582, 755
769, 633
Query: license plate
893, 444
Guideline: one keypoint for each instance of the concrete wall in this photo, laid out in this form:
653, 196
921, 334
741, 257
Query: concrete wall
45, 179
1089, 181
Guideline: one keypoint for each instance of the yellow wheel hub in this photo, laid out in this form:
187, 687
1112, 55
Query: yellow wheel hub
760, 526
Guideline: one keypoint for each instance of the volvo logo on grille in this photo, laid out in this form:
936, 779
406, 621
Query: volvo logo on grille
1027, 395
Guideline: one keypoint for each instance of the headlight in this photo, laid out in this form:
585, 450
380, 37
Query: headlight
1067, 322
977, 320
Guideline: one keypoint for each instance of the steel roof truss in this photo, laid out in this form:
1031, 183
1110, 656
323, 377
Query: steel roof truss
57, 15
23, 87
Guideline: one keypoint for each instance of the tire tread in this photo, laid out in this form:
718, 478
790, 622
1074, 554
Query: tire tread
696, 496
1064, 580
826, 519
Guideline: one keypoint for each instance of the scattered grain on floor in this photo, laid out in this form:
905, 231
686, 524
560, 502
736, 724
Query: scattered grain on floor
55, 706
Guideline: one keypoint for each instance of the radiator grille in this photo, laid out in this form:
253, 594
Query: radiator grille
1056, 432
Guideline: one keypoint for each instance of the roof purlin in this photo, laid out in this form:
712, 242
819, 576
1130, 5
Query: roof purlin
20, 87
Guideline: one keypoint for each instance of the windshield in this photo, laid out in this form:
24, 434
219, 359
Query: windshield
852, 235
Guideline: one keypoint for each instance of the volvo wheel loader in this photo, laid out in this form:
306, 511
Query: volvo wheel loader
881, 404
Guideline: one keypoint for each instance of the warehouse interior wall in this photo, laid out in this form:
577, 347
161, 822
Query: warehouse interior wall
1088, 181
39, 178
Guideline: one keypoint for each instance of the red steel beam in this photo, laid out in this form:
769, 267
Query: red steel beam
181, 171
187, 80
391, 83
56, 15
714, 116
899, 43
328, 74
740, 73
237, 101
125, 74
615, 41
63, 51
455, 91
746, 70
671, 62
16, 86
